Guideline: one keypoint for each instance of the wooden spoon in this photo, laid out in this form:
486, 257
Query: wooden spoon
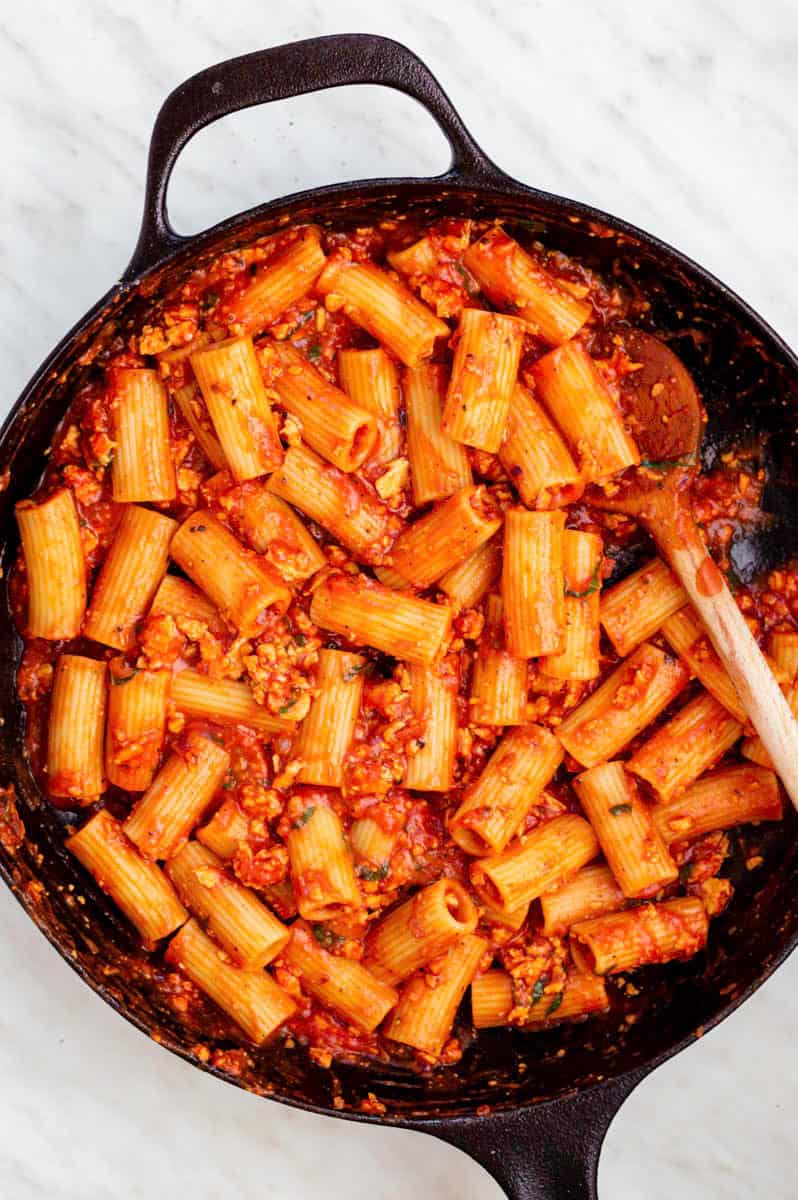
667, 417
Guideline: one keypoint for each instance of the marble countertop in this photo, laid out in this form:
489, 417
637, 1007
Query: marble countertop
680, 116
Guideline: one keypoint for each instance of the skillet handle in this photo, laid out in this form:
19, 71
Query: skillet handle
277, 74
549, 1151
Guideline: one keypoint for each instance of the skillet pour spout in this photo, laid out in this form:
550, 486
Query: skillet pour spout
533, 1109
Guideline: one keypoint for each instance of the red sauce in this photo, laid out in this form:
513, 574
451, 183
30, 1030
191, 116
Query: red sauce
279, 665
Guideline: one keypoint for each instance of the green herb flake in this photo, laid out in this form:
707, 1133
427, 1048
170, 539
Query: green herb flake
663, 464
685, 873
287, 707
469, 283
538, 989
555, 1004
353, 672
230, 782
300, 639
314, 352
326, 938
373, 874
209, 299
118, 680
593, 586
617, 809
304, 817
212, 736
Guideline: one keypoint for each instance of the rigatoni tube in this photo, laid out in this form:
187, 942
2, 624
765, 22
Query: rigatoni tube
251, 998
136, 885
573, 390
419, 930
494, 807
143, 469
533, 583
535, 456
686, 746
227, 701
343, 504
130, 574
492, 1000
512, 278
242, 925
484, 374
322, 870
433, 695
75, 727
535, 863
591, 892
384, 307
54, 564
634, 609
326, 732
628, 700
578, 657
439, 465
177, 798
724, 798
498, 680
625, 828
232, 386
429, 1001
335, 427
240, 584
372, 615
447, 535
636, 937
282, 281
137, 701
342, 984
371, 381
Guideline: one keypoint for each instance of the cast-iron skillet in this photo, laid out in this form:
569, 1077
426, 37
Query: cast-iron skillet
551, 1096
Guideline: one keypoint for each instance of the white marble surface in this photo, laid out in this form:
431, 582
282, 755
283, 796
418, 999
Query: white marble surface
680, 114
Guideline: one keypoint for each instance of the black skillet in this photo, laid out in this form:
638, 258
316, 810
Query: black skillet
551, 1096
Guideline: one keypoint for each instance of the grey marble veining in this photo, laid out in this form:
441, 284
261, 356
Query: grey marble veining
679, 115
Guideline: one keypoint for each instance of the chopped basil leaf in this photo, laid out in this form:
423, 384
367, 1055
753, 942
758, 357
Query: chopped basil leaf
685, 872
593, 586
555, 1004
326, 938
372, 874
118, 680
212, 736
537, 990
300, 639
287, 707
663, 464
617, 809
209, 299
304, 817
355, 671
469, 283
314, 352
230, 782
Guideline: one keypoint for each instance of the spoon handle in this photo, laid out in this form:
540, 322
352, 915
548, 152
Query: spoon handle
681, 543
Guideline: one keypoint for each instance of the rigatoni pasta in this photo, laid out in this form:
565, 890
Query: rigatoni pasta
533, 582
135, 884
76, 722
484, 374
349, 665
55, 565
439, 465
142, 469
133, 568
232, 387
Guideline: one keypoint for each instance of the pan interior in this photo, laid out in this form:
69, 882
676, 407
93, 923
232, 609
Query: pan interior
749, 384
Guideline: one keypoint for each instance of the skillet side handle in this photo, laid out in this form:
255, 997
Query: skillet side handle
549, 1151
277, 74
